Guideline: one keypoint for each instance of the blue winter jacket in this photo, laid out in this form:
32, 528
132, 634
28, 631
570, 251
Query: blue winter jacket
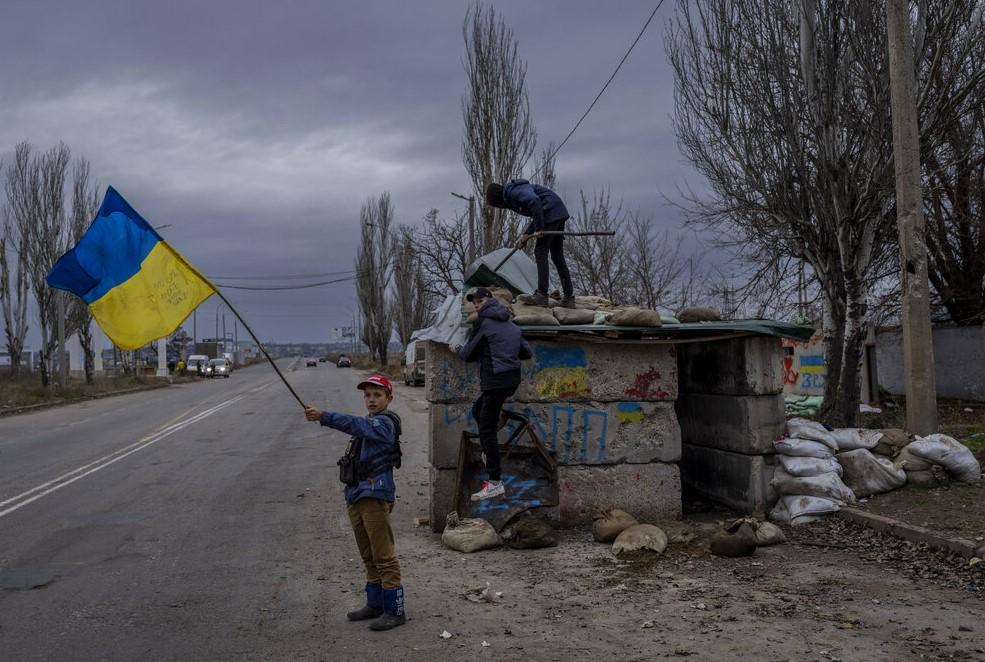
497, 344
377, 434
540, 203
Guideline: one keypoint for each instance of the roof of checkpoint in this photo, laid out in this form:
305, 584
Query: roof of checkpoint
519, 275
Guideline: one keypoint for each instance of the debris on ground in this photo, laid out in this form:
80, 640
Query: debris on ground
737, 543
483, 594
529, 533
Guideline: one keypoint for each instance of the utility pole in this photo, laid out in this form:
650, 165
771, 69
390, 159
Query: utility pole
918, 343
62, 363
471, 200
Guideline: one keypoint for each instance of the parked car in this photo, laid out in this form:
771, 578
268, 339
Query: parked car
414, 363
218, 368
343, 362
321, 359
197, 364
311, 363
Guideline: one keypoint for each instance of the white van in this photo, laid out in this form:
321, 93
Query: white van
414, 363
196, 364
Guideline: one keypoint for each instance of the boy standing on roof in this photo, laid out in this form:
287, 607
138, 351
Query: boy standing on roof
547, 213
367, 471
495, 342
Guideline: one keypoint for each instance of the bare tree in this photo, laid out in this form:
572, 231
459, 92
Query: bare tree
499, 136
85, 205
654, 263
374, 270
442, 249
13, 299
598, 265
789, 123
411, 303
35, 187
545, 173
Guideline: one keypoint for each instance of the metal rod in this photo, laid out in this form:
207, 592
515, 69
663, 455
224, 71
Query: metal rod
555, 232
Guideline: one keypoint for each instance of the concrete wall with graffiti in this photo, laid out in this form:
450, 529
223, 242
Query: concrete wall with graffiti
804, 371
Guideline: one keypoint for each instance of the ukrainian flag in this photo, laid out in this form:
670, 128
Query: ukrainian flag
138, 288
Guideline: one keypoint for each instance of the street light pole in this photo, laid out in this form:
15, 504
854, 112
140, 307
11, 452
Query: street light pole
918, 343
471, 200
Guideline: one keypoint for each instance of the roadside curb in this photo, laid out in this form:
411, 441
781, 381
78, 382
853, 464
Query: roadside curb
911, 533
11, 411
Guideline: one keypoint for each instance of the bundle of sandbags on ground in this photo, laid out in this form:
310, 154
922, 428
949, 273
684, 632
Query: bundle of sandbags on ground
933, 460
626, 534
808, 476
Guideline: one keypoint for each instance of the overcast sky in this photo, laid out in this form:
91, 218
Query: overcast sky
257, 129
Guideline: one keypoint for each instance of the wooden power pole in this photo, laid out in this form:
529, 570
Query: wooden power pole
918, 344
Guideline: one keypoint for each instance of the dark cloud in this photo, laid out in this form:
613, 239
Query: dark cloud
257, 129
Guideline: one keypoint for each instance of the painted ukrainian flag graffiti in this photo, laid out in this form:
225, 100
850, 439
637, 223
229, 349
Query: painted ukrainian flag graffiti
138, 287
559, 372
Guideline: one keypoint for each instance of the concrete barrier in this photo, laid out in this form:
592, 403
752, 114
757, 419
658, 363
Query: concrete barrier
592, 433
566, 371
738, 423
740, 366
650, 492
737, 480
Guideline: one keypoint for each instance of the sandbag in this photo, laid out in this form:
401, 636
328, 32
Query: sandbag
768, 534
524, 315
469, 535
936, 476
885, 450
503, 295
592, 302
850, 439
907, 461
829, 486
802, 509
740, 543
801, 428
894, 437
865, 474
808, 466
698, 314
803, 448
640, 537
574, 315
530, 533
950, 453
608, 524
635, 317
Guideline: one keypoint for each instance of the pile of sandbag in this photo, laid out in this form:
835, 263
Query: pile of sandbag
933, 460
626, 534
808, 476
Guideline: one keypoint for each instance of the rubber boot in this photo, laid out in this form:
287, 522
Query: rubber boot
374, 604
393, 610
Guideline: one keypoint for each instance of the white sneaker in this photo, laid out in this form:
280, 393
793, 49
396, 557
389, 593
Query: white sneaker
489, 490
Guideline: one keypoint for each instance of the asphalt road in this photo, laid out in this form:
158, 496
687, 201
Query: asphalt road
188, 523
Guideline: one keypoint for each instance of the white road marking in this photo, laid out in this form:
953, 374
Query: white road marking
103, 462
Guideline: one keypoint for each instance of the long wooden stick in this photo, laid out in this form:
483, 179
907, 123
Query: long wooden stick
555, 232
259, 344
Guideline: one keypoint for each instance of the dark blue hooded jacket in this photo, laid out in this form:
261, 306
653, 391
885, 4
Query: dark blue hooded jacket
378, 434
499, 347
540, 203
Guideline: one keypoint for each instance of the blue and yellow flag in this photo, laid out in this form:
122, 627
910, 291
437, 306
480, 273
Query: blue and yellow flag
138, 288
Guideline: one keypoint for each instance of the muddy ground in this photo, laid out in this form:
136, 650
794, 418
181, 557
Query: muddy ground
832, 592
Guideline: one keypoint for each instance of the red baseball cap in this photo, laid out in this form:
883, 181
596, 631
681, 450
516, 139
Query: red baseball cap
377, 380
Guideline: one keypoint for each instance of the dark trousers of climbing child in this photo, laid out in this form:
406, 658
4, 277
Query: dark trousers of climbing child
486, 412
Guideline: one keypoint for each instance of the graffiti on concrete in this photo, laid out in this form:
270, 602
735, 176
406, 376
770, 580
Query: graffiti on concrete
560, 372
521, 493
804, 371
647, 386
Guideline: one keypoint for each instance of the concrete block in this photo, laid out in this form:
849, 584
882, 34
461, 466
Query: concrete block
563, 370
590, 433
441, 496
650, 492
736, 480
441, 499
742, 366
739, 423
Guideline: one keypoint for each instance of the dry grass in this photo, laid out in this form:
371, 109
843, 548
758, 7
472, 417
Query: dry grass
28, 391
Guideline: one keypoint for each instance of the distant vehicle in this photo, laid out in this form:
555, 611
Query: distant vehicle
343, 362
311, 363
414, 363
218, 368
321, 359
196, 364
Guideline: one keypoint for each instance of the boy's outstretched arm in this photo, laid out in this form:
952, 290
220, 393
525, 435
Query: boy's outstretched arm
375, 428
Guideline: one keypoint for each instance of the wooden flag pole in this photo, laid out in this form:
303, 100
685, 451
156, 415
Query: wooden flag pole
260, 345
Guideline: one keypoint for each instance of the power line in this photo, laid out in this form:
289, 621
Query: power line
599, 95
286, 276
288, 287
